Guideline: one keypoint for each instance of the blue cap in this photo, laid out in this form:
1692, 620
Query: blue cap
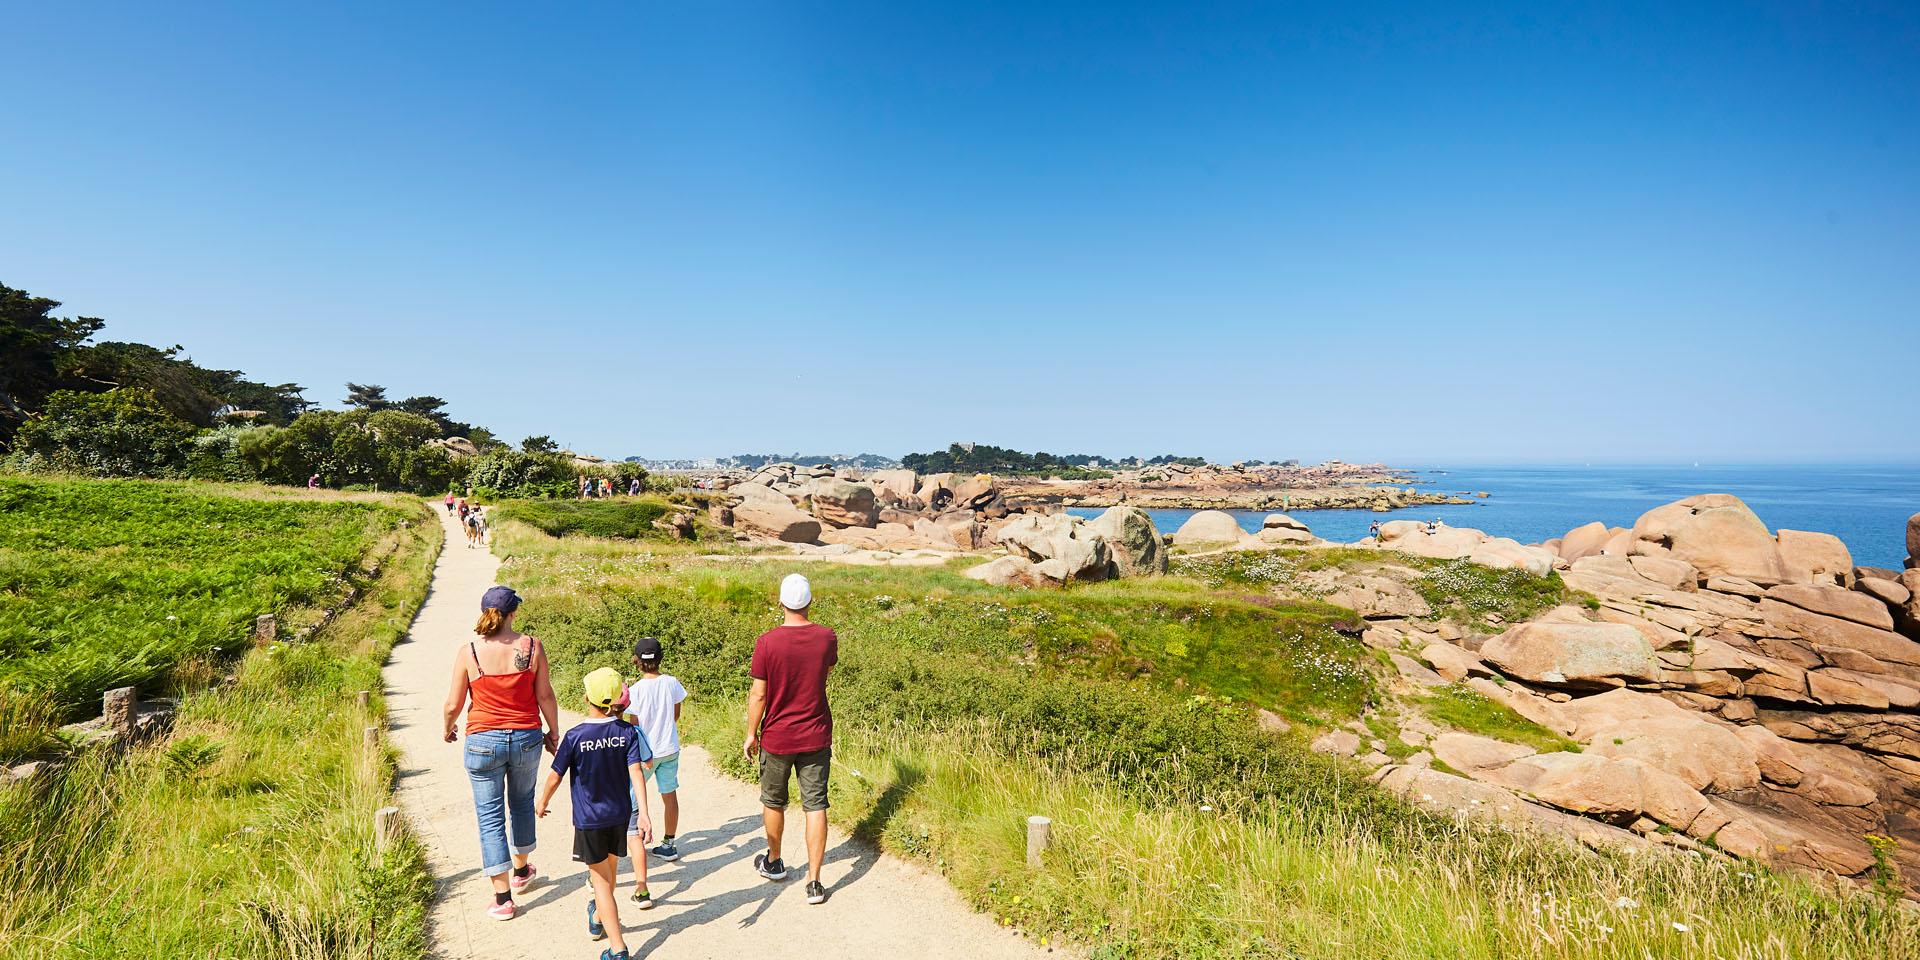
502, 599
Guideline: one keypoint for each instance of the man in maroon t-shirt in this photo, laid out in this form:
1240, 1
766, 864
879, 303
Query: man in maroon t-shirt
790, 728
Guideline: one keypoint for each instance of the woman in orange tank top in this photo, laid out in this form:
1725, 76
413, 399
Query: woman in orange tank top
501, 681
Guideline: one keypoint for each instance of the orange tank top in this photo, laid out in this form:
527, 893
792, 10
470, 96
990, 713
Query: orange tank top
503, 701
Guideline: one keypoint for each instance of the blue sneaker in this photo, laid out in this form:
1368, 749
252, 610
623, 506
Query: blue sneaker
595, 929
608, 954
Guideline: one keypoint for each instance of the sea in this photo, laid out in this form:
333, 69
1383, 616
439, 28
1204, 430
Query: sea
1865, 505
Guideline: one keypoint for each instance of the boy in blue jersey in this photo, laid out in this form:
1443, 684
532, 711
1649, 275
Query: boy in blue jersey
603, 756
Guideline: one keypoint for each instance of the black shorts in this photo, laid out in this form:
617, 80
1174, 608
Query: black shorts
594, 844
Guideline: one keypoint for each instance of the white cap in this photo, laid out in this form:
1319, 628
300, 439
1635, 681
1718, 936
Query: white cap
795, 592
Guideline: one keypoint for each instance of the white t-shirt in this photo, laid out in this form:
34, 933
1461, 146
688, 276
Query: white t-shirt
650, 703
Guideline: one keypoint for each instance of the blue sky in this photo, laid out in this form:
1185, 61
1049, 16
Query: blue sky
1530, 232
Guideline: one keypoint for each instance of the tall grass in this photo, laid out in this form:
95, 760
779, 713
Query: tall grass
1183, 831
246, 833
110, 582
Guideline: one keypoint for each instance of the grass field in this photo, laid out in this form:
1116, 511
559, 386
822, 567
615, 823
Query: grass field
1124, 711
626, 518
110, 582
245, 833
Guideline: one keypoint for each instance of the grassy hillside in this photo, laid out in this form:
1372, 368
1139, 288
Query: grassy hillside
246, 833
621, 518
109, 582
1124, 711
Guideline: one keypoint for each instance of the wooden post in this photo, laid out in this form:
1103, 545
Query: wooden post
365, 697
373, 739
120, 707
1039, 830
265, 628
386, 827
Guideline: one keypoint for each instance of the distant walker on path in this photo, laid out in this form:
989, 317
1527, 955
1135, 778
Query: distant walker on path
790, 729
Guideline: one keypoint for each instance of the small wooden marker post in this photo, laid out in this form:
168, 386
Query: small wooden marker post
386, 827
373, 739
119, 708
365, 697
265, 628
1039, 832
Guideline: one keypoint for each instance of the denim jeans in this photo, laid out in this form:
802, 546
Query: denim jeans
503, 766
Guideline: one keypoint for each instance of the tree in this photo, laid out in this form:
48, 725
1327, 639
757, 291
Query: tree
33, 342
119, 433
539, 444
367, 396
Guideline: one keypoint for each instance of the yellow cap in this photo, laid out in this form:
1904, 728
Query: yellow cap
604, 686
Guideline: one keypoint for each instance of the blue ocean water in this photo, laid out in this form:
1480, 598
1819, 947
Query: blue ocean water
1866, 505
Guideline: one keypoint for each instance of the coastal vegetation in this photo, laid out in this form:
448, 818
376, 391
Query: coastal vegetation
1185, 825
986, 458
246, 830
627, 518
1460, 588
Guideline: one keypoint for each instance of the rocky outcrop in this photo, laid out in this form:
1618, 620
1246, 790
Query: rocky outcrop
779, 520
1717, 534
1282, 529
1755, 690
1064, 548
1012, 571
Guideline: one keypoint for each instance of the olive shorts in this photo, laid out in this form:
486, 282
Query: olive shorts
810, 769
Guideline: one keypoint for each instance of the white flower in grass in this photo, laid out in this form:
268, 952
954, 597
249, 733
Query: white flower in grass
1679, 927
1626, 903
1205, 809
172, 617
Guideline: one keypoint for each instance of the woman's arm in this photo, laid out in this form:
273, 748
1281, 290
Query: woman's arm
456, 698
543, 691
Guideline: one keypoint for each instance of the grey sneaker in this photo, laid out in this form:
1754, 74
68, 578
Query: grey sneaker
815, 892
771, 869
666, 851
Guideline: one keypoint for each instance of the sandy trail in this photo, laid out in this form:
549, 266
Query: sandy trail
711, 903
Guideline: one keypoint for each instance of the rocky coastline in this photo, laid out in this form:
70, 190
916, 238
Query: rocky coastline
1326, 486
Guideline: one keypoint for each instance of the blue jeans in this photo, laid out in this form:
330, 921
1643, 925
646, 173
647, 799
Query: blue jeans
503, 766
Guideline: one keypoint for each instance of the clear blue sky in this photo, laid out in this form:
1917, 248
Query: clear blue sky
1665, 231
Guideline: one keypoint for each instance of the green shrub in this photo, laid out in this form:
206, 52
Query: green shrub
511, 474
621, 518
1469, 591
119, 433
215, 455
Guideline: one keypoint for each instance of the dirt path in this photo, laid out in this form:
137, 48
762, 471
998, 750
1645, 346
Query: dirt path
712, 904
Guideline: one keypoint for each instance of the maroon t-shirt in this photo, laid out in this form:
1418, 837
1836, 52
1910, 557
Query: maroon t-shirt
794, 662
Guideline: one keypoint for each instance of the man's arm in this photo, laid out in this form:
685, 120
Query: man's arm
756, 712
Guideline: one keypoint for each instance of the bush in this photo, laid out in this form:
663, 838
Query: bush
511, 474
215, 455
622, 519
120, 433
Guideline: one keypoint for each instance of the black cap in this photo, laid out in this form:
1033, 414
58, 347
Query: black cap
646, 650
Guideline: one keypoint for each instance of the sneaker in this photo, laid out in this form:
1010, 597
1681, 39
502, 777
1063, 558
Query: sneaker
815, 892
643, 898
519, 882
595, 929
771, 869
501, 911
666, 851
608, 954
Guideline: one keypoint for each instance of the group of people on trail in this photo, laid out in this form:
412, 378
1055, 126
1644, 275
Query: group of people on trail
630, 738
473, 518
591, 487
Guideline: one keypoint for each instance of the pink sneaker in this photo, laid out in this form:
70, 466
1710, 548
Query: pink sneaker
519, 882
501, 911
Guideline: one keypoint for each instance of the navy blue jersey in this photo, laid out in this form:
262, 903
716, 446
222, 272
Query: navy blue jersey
596, 754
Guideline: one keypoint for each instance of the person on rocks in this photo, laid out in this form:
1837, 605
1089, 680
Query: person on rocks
502, 682
603, 757
1374, 531
790, 729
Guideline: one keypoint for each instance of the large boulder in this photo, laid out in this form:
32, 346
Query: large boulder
1209, 527
1824, 630
936, 490
900, 484
1059, 544
1446, 543
1502, 553
781, 521
758, 492
1710, 757
952, 531
974, 493
1280, 528
1379, 598
1913, 541
843, 503
1133, 544
1818, 558
1717, 534
1584, 541
1573, 654
1011, 571
1835, 602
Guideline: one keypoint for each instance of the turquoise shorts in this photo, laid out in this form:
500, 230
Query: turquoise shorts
665, 773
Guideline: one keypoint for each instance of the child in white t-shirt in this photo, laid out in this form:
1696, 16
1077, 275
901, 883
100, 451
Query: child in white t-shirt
653, 706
